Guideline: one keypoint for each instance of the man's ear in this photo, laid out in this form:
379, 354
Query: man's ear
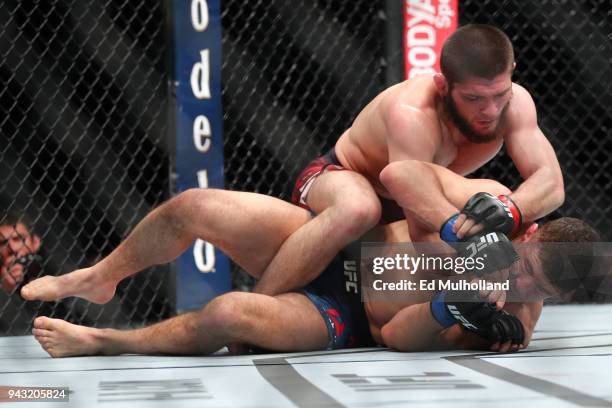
441, 84
529, 232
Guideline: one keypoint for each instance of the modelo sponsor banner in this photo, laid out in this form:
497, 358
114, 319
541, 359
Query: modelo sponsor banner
202, 272
427, 24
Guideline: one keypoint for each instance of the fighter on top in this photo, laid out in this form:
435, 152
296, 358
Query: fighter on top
458, 119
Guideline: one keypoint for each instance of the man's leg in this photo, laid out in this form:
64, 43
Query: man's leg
347, 207
248, 227
288, 322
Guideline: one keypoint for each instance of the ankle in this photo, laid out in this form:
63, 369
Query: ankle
105, 341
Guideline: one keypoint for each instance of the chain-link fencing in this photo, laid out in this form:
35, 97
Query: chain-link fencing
296, 75
83, 154
84, 101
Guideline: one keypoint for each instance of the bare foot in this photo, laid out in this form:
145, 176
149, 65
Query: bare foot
62, 339
83, 283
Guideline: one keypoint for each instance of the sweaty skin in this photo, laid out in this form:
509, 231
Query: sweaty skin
249, 228
409, 121
460, 126
394, 314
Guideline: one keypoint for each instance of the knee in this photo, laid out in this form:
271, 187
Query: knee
356, 217
229, 313
189, 205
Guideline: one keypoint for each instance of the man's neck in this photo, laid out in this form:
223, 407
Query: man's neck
449, 129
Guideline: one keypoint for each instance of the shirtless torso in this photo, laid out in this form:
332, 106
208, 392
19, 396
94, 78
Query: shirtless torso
380, 132
380, 311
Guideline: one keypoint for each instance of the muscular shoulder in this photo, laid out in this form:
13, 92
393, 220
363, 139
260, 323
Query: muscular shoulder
416, 95
522, 109
411, 105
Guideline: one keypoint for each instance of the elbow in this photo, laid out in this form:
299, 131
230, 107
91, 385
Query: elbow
560, 194
557, 195
397, 176
390, 175
389, 336
392, 338
386, 332
554, 189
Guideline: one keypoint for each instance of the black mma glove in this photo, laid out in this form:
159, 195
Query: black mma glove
494, 250
495, 213
481, 318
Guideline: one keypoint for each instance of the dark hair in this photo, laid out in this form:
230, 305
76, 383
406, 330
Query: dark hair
477, 50
568, 263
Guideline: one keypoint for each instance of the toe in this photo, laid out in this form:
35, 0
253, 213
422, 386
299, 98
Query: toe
41, 332
41, 322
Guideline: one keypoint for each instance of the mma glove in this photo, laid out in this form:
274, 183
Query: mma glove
481, 318
494, 248
494, 213
500, 217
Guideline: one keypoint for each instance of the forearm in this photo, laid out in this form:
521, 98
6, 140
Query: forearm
416, 188
540, 194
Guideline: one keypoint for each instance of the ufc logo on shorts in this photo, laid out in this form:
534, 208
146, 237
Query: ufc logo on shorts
457, 315
350, 271
484, 242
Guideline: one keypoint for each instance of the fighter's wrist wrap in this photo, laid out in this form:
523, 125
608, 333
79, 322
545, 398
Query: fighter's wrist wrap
446, 231
516, 212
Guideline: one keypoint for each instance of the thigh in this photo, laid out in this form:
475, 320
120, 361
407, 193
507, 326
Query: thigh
287, 322
248, 227
336, 188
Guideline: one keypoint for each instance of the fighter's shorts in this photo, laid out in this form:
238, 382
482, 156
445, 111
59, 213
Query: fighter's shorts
328, 162
391, 211
336, 294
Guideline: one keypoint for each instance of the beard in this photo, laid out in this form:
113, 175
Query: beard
466, 129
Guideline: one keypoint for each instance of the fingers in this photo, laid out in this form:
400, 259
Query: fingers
497, 297
464, 226
506, 347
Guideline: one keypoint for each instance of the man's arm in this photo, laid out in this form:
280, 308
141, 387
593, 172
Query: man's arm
430, 193
414, 329
410, 132
542, 191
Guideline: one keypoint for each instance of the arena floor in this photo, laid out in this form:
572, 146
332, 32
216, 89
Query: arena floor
567, 364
